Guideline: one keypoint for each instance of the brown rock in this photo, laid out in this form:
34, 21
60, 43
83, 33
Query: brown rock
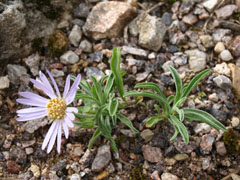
235, 73
12, 167
152, 154
226, 11
236, 46
190, 19
107, 21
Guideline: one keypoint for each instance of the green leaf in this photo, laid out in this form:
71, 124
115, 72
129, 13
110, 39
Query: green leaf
194, 82
180, 102
178, 83
87, 123
103, 79
151, 85
199, 115
85, 96
98, 90
109, 85
181, 128
72, 77
176, 132
170, 99
113, 107
85, 87
96, 134
180, 113
127, 122
114, 120
115, 67
157, 108
162, 101
153, 120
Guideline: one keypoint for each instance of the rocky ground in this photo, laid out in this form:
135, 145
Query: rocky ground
191, 35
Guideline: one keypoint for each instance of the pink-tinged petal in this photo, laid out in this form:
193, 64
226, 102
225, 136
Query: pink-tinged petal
71, 96
41, 86
65, 129
72, 109
30, 95
68, 122
49, 134
53, 138
67, 86
59, 136
29, 117
71, 116
54, 83
30, 102
31, 110
45, 81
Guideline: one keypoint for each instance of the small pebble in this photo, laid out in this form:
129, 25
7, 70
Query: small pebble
235, 121
225, 55
219, 47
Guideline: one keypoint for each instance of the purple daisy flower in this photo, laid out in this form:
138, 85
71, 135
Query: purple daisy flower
54, 107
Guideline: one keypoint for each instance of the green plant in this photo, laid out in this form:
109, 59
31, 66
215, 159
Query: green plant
101, 108
171, 106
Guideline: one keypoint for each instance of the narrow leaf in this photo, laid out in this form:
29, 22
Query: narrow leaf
199, 115
109, 85
98, 90
181, 128
96, 134
170, 99
127, 122
162, 101
176, 132
113, 107
115, 67
153, 120
85, 96
178, 83
194, 82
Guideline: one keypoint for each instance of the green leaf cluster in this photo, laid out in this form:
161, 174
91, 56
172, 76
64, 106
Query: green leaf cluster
171, 107
101, 109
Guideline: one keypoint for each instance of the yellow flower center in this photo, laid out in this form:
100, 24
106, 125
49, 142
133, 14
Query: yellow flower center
56, 108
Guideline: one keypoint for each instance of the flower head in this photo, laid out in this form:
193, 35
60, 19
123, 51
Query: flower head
55, 108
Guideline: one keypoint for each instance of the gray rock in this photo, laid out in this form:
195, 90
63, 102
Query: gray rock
151, 32
93, 71
4, 82
33, 62
221, 149
197, 59
86, 158
133, 28
75, 35
166, 65
147, 134
133, 51
107, 21
16, 73
59, 166
75, 177
182, 147
22, 25
76, 167
206, 143
134, 62
219, 34
69, 58
202, 128
78, 151
33, 125
223, 82
207, 41
142, 76
186, 6
57, 73
225, 55
152, 154
102, 158
179, 59
226, 11
210, 4
81, 11
167, 18
205, 163
168, 176
29, 150
190, 19
85, 46
18, 155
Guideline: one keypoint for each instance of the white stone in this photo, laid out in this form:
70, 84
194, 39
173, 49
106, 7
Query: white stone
168, 176
166, 65
202, 128
75, 177
197, 59
219, 47
35, 170
223, 82
213, 97
235, 121
210, 4
75, 35
69, 58
4, 82
226, 55
222, 69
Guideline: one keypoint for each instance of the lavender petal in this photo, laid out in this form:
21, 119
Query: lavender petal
67, 86
70, 116
42, 87
59, 136
53, 138
30, 110
54, 83
72, 109
30, 95
45, 81
65, 129
30, 102
68, 122
32, 116
49, 134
